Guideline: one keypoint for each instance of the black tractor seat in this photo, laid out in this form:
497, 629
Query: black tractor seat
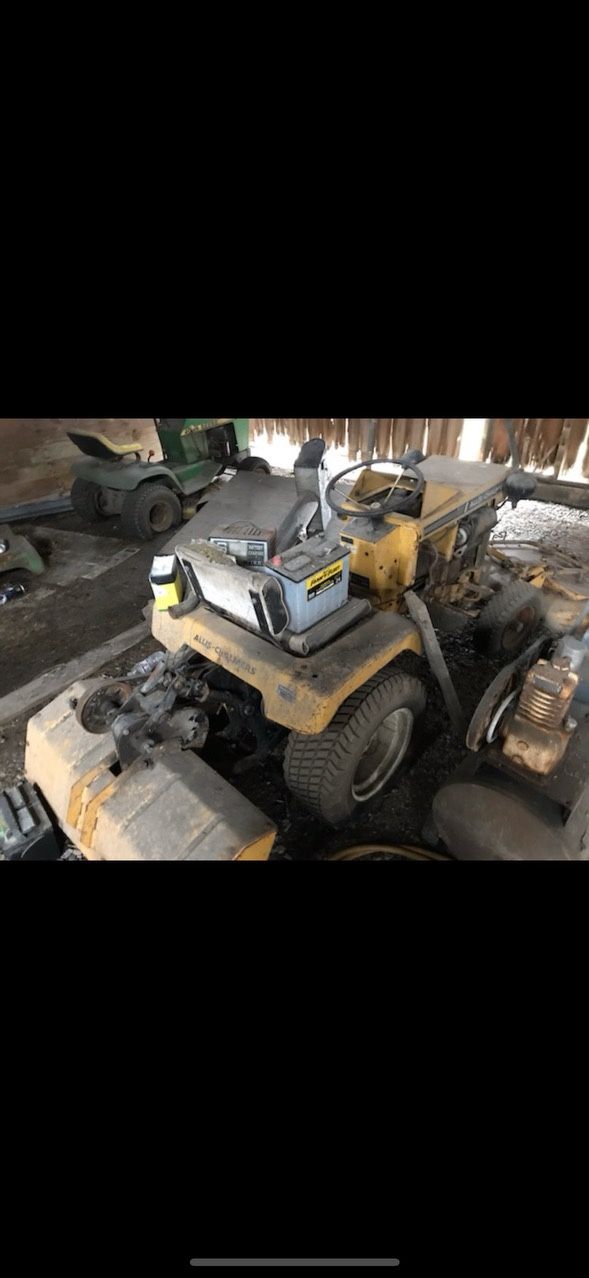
96, 445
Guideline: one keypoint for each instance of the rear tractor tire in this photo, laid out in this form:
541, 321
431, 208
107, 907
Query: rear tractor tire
255, 463
149, 510
366, 742
86, 501
509, 620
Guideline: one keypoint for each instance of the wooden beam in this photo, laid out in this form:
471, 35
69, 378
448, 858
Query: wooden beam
562, 492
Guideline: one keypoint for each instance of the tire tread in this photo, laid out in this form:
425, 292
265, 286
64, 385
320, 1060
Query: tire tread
135, 516
499, 611
312, 764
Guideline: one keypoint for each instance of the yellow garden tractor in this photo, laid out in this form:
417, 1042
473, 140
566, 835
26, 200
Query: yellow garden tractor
297, 599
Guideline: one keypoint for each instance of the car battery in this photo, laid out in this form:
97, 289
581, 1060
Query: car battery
246, 543
315, 579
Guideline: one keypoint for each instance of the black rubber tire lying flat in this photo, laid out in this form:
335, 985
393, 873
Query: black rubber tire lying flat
85, 500
331, 772
149, 510
508, 621
385, 852
255, 463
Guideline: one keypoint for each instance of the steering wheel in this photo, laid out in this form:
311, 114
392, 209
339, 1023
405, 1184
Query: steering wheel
395, 503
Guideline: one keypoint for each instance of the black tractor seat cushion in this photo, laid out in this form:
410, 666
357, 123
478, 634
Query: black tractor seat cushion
100, 446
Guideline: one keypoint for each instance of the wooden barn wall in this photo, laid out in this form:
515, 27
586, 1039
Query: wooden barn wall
36, 454
393, 435
545, 442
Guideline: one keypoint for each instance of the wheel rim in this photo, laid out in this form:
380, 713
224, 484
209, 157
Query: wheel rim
518, 628
383, 754
97, 711
160, 517
385, 852
101, 502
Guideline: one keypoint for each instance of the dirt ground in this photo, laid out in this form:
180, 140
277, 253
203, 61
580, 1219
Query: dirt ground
86, 613
43, 629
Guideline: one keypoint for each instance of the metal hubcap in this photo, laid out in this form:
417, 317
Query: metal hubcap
160, 517
383, 754
97, 711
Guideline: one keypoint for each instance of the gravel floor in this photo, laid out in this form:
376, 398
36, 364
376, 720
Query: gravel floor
539, 521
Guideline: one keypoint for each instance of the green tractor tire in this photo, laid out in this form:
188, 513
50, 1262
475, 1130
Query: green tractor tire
149, 510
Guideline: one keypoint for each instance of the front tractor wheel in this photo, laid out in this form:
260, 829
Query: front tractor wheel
509, 620
149, 510
354, 759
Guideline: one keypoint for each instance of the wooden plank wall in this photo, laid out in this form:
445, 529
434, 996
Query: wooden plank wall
394, 435
544, 442
36, 454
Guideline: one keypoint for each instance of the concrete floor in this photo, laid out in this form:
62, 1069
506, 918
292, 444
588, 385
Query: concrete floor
96, 586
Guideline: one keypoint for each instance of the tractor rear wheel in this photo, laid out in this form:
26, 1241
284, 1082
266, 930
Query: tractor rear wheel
150, 509
508, 621
366, 742
86, 501
255, 463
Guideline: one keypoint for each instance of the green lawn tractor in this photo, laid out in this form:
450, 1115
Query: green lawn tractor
151, 496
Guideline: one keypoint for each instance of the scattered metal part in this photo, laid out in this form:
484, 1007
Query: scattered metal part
149, 664
536, 737
520, 815
97, 711
71, 853
26, 831
501, 686
497, 717
9, 592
